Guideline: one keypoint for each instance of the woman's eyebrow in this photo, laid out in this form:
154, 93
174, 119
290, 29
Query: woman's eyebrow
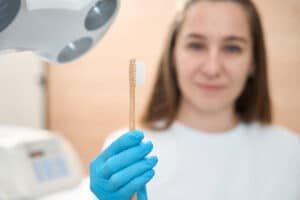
236, 38
227, 39
195, 36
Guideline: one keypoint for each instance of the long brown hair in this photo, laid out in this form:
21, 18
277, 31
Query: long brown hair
253, 104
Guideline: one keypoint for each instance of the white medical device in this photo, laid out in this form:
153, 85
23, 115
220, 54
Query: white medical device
59, 31
35, 163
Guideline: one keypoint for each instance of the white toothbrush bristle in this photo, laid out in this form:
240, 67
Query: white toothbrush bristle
140, 69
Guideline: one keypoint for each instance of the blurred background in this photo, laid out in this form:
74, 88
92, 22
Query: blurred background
88, 99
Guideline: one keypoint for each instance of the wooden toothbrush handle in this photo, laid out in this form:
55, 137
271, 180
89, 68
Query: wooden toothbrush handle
134, 197
132, 94
132, 102
132, 109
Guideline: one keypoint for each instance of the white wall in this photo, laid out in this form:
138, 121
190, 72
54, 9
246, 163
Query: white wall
21, 94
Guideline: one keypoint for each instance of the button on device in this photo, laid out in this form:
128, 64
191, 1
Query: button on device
49, 169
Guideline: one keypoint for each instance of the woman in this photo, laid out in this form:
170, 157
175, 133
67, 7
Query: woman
209, 118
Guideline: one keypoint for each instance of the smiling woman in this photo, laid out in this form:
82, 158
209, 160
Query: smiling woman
214, 61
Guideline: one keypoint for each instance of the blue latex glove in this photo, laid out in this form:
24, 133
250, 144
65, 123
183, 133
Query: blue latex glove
123, 169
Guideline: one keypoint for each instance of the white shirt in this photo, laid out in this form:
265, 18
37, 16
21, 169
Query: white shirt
249, 162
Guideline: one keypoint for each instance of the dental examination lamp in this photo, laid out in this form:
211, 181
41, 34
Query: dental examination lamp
59, 31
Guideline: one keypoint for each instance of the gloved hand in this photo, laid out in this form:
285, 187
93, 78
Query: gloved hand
123, 169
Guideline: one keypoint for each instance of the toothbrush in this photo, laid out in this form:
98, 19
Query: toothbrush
136, 77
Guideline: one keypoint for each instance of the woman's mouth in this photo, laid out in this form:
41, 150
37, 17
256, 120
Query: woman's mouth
211, 87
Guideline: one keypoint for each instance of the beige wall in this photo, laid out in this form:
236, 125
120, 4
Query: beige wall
89, 98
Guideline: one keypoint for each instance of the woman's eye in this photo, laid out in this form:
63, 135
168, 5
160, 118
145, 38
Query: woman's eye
195, 46
233, 49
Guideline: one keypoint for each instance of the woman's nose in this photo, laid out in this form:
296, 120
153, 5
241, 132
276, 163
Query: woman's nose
212, 66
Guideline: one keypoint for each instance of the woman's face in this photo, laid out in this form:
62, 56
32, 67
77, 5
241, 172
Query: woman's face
213, 55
